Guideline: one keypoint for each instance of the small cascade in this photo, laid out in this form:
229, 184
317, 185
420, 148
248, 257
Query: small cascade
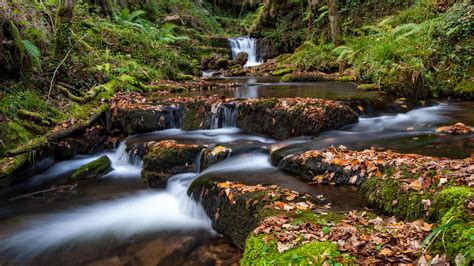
174, 117
224, 115
124, 157
247, 45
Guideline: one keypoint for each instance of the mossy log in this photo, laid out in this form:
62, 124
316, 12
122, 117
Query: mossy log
43, 141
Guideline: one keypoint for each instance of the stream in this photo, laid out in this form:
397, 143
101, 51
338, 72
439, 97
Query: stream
117, 220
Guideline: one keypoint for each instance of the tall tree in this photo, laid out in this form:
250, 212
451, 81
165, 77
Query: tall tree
63, 36
334, 22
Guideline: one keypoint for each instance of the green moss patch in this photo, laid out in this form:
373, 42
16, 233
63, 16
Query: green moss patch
94, 169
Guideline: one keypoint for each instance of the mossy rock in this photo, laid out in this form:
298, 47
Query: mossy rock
261, 252
368, 87
9, 168
389, 196
464, 89
211, 156
167, 158
94, 169
282, 71
454, 205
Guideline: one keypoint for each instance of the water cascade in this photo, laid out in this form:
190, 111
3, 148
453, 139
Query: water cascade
247, 45
224, 115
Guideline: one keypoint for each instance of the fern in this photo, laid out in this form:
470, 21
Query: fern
32, 51
15, 33
406, 30
344, 53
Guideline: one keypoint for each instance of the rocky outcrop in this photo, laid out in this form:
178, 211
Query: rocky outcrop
283, 118
94, 169
216, 62
146, 118
279, 118
265, 49
270, 222
211, 156
166, 158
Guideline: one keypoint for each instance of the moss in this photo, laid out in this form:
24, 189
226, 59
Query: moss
282, 71
258, 251
287, 78
389, 196
345, 78
12, 134
94, 169
464, 89
368, 87
9, 167
451, 205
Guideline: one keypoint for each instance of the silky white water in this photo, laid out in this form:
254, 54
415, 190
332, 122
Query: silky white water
247, 45
169, 209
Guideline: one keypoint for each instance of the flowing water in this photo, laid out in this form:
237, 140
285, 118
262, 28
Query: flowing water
247, 45
117, 220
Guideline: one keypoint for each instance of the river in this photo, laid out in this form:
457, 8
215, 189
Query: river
117, 220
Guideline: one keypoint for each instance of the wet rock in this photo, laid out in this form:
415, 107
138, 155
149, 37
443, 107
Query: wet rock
10, 167
215, 62
166, 158
94, 169
145, 118
283, 118
211, 156
456, 129
241, 58
236, 71
315, 76
266, 49
236, 209
368, 87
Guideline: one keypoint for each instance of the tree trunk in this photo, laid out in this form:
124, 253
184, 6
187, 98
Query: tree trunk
334, 22
63, 36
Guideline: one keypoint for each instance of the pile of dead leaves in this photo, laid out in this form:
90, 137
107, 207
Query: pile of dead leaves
155, 146
418, 171
377, 240
456, 129
276, 197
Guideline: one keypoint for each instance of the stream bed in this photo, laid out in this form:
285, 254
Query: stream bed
117, 220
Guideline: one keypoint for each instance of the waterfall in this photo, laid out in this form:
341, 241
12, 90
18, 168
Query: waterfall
247, 45
223, 115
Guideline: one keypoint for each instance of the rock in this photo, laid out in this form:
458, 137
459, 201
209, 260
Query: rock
10, 167
166, 158
236, 71
241, 58
210, 156
94, 169
368, 87
266, 49
215, 62
456, 129
145, 118
282, 118
173, 18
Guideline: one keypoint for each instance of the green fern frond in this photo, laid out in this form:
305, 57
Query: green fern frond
135, 14
33, 52
16, 37
406, 30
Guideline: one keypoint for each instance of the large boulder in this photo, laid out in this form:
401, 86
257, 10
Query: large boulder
146, 118
94, 169
215, 62
166, 158
271, 223
283, 118
266, 49
241, 58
